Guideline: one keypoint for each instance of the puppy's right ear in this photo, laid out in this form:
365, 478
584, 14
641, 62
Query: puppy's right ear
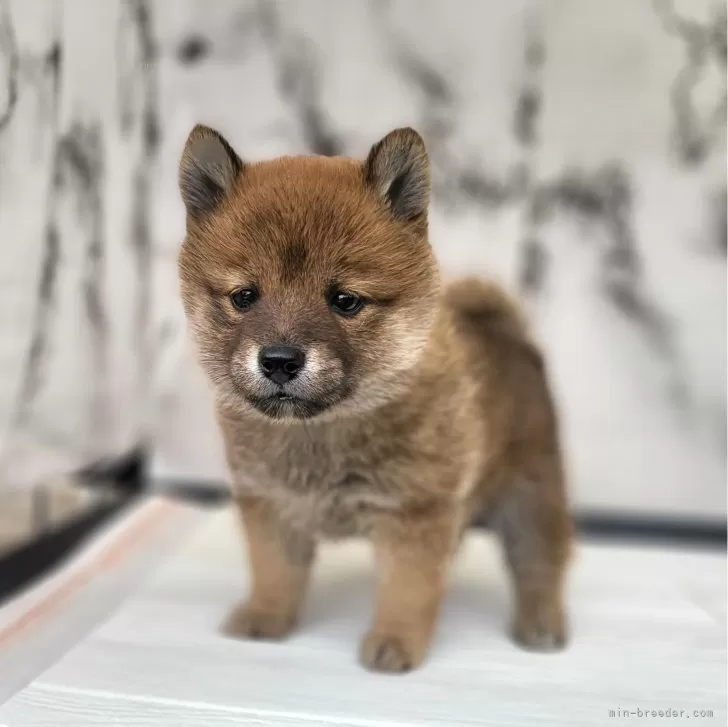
207, 171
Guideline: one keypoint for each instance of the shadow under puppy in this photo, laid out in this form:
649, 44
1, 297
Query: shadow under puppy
357, 396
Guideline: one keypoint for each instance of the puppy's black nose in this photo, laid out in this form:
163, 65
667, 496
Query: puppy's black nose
281, 363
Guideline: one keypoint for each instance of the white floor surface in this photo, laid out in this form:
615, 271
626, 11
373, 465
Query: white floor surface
140, 644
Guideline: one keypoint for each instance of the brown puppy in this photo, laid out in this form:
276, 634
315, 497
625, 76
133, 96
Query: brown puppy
356, 397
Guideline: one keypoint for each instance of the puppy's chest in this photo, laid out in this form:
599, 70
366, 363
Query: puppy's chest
327, 489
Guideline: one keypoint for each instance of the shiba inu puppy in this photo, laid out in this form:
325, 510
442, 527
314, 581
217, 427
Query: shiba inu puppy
356, 395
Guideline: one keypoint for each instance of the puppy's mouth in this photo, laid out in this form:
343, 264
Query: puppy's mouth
283, 405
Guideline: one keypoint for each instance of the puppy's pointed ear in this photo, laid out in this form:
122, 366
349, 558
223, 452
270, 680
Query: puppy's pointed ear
398, 170
207, 171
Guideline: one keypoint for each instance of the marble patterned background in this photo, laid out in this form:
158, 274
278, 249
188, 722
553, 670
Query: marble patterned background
579, 152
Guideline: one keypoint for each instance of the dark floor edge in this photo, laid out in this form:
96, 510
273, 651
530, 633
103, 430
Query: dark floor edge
123, 477
27, 563
689, 531
126, 473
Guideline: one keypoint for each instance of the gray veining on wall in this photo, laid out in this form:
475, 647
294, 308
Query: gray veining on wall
75, 236
578, 150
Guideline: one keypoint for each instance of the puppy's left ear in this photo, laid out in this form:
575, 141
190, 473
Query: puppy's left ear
207, 171
398, 170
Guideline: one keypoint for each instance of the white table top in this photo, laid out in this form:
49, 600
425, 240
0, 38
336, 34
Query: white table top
140, 646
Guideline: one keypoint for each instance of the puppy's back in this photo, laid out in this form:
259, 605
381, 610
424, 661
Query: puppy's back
508, 367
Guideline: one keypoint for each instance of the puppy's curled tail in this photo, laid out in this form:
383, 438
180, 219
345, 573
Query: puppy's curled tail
485, 304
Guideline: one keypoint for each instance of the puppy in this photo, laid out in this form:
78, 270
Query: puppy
358, 397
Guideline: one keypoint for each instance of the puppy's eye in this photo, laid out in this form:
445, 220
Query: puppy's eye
243, 298
345, 304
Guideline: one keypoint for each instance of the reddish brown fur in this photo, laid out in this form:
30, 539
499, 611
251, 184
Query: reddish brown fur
435, 407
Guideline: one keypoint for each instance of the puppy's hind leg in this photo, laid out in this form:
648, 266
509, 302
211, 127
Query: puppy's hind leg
536, 531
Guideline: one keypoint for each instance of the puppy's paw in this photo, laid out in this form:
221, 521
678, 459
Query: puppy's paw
540, 632
248, 622
389, 653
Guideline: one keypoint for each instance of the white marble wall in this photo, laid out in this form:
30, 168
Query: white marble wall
75, 235
579, 151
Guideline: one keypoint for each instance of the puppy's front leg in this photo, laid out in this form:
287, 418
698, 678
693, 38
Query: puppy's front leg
413, 557
280, 564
